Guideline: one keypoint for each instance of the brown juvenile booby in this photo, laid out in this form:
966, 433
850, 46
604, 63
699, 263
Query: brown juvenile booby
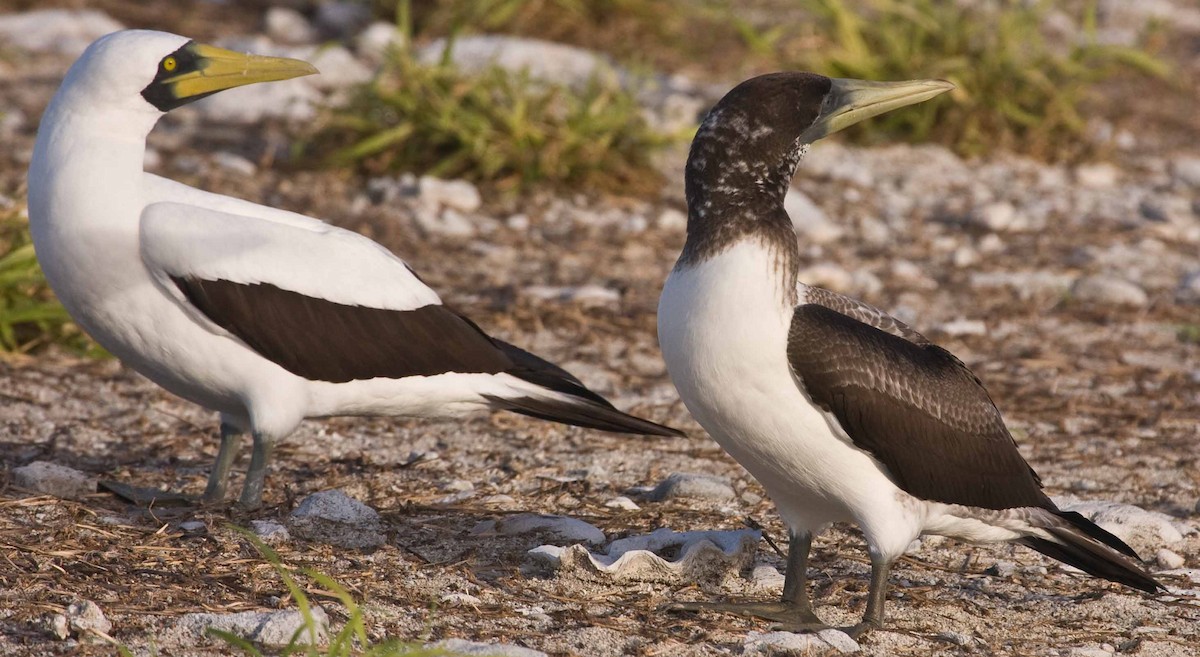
842, 412
266, 316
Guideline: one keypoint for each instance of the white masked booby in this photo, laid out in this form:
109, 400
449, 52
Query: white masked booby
266, 316
842, 412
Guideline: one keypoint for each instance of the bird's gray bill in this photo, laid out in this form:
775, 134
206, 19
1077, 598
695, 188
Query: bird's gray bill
850, 101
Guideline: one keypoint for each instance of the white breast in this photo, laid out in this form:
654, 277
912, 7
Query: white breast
723, 325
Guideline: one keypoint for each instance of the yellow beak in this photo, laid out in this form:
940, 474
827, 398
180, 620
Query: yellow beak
217, 69
851, 101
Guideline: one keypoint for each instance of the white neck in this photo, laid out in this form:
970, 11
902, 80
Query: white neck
85, 192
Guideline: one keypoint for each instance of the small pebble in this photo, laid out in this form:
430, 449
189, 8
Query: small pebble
53, 479
623, 503
1168, 559
694, 486
270, 531
335, 518
1109, 290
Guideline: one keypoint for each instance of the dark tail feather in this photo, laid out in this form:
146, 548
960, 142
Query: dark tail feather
1097, 532
1083, 544
583, 413
578, 405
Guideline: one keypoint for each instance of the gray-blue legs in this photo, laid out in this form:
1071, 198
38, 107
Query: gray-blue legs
252, 490
794, 611
218, 479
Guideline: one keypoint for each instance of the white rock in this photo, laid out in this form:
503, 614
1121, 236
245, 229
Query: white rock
447, 222
54, 479
58, 627
270, 531
85, 617
587, 295
373, 43
273, 628
235, 163
458, 194
561, 527
672, 220
623, 503
965, 256
911, 273
337, 519
288, 26
193, 527
1144, 531
1168, 559
518, 222
1110, 290
458, 486
1002, 569
694, 486
767, 578
1089, 651
788, 644
1025, 283
828, 275
544, 61
1186, 169
339, 69
460, 600
702, 556
465, 647
810, 221
1100, 175
63, 31
998, 217
960, 327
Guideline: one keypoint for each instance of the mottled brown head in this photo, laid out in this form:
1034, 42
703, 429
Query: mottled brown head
746, 150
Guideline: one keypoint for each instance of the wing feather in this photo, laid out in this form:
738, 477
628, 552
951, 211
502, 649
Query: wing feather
911, 404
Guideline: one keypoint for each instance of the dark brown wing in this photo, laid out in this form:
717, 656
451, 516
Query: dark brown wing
322, 340
913, 406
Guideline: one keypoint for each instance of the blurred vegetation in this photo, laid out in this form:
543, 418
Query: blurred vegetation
494, 126
1018, 89
30, 316
350, 641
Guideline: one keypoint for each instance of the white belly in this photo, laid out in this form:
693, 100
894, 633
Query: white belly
723, 327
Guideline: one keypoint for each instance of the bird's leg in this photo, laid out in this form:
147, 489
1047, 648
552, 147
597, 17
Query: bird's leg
876, 596
219, 477
252, 490
793, 612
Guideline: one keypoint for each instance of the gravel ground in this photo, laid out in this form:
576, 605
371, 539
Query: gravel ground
1072, 291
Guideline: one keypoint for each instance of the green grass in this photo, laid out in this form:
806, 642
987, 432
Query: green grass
30, 317
351, 641
494, 127
1016, 90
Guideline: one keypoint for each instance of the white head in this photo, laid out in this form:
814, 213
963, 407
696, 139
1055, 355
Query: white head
143, 71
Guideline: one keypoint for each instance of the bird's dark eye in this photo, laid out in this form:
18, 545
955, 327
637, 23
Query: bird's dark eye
169, 64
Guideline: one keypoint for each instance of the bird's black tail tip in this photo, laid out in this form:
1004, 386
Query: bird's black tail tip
582, 412
1079, 542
